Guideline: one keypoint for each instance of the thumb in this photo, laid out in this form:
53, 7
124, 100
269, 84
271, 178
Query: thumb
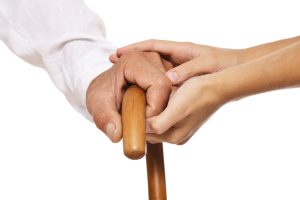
108, 120
113, 58
167, 119
187, 70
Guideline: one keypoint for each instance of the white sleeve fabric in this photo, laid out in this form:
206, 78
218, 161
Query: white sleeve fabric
64, 37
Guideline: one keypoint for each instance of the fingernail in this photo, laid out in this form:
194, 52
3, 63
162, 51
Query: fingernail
173, 76
110, 129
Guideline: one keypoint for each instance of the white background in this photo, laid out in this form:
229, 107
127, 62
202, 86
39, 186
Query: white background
248, 150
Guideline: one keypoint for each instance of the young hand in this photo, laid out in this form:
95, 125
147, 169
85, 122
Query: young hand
188, 58
188, 108
199, 97
194, 59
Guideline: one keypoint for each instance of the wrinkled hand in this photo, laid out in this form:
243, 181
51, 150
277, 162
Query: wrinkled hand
196, 98
104, 95
188, 58
188, 109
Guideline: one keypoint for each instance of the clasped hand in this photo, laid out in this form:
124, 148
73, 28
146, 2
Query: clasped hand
186, 83
193, 99
173, 113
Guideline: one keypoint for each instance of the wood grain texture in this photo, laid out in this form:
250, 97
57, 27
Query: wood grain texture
134, 140
133, 122
156, 172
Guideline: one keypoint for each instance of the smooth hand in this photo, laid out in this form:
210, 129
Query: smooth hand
188, 58
188, 108
199, 97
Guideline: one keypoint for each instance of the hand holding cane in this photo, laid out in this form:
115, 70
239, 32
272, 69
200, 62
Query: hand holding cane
134, 141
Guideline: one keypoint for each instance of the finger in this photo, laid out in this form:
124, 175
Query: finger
185, 71
179, 134
184, 141
168, 118
157, 96
167, 65
181, 104
154, 58
113, 58
161, 46
149, 78
108, 120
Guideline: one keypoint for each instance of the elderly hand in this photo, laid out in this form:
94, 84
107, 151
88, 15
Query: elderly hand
104, 95
246, 72
188, 58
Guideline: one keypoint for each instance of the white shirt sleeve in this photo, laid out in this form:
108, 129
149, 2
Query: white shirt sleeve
62, 36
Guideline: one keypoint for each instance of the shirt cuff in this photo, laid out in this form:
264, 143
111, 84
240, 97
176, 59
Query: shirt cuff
81, 62
90, 67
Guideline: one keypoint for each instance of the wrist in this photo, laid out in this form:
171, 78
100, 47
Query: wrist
219, 84
234, 83
213, 88
227, 57
83, 60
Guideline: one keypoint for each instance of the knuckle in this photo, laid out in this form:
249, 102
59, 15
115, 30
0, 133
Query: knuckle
164, 82
184, 71
131, 55
154, 127
127, 60
154, 56
190, 47
193, 49
127, 56
155, 110
99, 121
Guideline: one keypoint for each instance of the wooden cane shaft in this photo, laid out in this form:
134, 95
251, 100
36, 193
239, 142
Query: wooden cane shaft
156, 172
134, 140
133, 122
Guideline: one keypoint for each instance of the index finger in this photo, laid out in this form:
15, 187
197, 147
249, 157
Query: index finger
138, 69
162, 46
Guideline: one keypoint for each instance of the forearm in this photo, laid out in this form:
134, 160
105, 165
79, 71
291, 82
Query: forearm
278, 70
215, 59
63, 37
252, 53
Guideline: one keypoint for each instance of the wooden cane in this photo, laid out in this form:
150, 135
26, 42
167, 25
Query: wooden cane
134, 140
